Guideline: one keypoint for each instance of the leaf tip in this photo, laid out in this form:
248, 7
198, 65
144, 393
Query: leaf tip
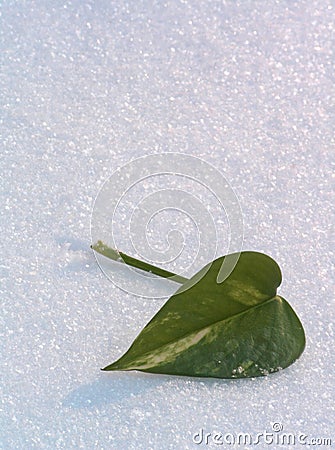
113, 366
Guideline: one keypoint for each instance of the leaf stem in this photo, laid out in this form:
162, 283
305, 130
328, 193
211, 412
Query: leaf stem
115, 255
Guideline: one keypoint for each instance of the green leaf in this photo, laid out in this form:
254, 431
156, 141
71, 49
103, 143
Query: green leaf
234, 329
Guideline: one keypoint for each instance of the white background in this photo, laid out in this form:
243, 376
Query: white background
88, 86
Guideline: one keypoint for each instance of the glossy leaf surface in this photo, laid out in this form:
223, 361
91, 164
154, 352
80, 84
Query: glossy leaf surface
237, 328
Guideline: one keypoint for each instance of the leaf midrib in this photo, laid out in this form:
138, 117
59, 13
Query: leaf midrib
227, 319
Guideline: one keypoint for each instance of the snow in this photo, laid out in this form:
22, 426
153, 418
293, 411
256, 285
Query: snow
87, 87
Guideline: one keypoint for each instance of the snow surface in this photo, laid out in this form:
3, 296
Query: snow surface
88, 86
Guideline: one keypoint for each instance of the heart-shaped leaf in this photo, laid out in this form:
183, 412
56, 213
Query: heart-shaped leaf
234, 329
